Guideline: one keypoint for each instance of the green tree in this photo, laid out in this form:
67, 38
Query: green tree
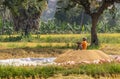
94, 8
25, 13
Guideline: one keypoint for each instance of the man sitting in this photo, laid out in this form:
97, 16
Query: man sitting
82, 45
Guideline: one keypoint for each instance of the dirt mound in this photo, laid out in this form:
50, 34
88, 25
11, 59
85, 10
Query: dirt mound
78, 56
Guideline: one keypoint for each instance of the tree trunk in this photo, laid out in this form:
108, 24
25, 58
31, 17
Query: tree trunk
3, 19
82, 18
27, 31
94, 38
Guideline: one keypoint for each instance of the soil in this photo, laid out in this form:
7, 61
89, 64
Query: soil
73, 76
63, 55
29, 52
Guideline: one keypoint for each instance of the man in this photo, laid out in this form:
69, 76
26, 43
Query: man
82, 45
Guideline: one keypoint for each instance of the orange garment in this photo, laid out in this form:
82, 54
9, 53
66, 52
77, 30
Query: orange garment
84, 45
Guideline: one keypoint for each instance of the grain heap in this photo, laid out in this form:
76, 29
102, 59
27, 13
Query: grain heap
83, 56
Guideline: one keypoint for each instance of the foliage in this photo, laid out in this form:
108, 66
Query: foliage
73, 15
48, 71
26, 13
8, 28
94, 8
54, 27
58, 27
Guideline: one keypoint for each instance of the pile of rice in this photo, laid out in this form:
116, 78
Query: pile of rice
83, 56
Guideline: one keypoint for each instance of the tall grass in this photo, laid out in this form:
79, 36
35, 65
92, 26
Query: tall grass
62, 38
109, 38
48, 71
57, 40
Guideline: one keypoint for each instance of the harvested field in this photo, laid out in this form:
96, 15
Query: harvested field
83, 56
29, 52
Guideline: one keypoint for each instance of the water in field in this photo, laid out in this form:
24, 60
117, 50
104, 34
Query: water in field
28, 61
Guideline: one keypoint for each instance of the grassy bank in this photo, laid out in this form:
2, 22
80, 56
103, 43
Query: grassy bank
94, 70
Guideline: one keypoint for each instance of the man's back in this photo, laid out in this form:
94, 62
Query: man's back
84, 45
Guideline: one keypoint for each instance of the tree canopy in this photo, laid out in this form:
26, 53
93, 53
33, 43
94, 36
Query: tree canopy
94, 8
25, 13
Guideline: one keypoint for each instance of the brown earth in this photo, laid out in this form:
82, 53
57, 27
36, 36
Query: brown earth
73, 76
62, 54
29, 52
82, 55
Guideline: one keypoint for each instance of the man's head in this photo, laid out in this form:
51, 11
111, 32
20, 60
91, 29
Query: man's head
84, 39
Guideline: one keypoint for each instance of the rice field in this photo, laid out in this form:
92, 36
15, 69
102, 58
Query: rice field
63, 38
45, 44
109, 43
56, 39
